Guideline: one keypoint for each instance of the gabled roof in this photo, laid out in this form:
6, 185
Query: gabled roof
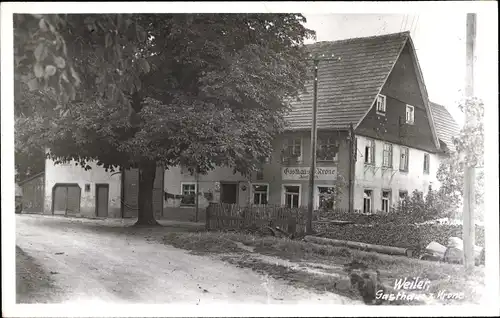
347, 88
446, 126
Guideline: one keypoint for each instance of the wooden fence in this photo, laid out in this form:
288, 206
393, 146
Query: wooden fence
223, 216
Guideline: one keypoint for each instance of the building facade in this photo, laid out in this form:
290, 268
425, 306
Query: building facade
282, 180
68, 189
379, 139
376, 88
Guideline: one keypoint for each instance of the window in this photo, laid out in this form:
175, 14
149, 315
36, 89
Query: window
260, 175
327, 149
380, 104
370, 152
189, 193
404, 159
402, 195
292, 148
260, 193
292, 196
387, 156
426, 163
410, 114
326, 198
367, 201
386, 200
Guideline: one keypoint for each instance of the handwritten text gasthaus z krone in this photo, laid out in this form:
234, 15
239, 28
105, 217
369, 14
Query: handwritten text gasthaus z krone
416, 289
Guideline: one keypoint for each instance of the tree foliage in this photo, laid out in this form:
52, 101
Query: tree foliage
78, 56
470, 152
198, 90
332, 197
417, 207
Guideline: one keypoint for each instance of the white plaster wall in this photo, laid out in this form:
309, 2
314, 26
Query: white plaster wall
175, 176
272, 176
70, 173
376, 178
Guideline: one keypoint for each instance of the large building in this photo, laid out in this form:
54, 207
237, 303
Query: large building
398, 136
379, 138
68, 189
397, 139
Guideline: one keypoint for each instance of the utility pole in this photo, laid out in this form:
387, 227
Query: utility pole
197, 192
469, 171
314, 137
352, 165
314, 132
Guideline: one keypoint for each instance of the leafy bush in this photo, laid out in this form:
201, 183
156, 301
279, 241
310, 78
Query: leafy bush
417, 208
410, 210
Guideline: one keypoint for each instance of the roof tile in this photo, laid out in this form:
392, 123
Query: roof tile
446, 126
347, 88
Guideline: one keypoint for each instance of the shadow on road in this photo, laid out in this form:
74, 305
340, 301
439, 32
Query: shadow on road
33, 283
112, 226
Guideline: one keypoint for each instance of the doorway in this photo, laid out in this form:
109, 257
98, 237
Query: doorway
102, 198
66, 199
228, 193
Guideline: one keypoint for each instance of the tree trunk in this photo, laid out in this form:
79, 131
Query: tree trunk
147, 174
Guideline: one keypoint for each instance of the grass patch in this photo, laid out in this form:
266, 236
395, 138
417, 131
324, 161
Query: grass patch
443, 276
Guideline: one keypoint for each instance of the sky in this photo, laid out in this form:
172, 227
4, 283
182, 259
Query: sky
440, 44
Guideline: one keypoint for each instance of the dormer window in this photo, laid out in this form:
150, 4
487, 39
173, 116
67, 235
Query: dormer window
380, 104
410, 114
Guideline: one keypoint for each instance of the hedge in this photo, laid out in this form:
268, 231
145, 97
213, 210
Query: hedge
397, 235
378, 218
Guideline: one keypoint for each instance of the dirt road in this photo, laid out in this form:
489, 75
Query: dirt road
106, 261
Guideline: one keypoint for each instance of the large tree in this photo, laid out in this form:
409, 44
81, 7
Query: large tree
199, 90
470, 152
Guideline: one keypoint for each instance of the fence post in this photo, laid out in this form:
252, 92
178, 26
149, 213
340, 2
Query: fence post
207, 217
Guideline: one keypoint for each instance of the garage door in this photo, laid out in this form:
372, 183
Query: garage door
66, 199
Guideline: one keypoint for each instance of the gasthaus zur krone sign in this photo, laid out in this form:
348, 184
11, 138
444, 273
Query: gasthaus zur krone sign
302, 173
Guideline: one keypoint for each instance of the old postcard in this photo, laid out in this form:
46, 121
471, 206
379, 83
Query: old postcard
253, 159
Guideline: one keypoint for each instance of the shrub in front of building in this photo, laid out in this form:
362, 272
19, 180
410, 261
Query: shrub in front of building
397, 235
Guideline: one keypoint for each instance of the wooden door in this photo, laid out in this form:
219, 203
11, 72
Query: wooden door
73, 200
102, 195
60, 197
229, 193
66, 199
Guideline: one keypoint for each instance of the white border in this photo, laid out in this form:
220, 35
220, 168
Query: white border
8, 219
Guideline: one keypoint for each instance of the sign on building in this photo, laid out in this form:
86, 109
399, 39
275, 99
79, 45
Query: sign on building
302, 173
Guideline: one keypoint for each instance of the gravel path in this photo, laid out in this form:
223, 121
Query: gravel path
106, 261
